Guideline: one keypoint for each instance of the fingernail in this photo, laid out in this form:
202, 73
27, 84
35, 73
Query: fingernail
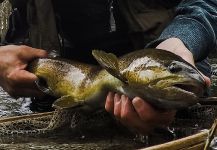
110, 94
117, 98
137, 102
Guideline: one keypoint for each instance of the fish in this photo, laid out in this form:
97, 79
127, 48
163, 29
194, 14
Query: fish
159, 77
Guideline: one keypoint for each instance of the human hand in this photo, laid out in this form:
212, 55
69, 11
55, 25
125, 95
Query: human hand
177, 47
137, 114
14, 79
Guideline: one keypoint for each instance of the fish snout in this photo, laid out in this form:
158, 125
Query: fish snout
187, 70
193, 81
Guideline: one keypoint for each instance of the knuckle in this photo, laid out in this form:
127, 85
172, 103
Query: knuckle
23, 48
10, 77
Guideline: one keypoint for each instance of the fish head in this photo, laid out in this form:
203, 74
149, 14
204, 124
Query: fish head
165, 80
50, 76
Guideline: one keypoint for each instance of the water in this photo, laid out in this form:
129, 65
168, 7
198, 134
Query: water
13, 107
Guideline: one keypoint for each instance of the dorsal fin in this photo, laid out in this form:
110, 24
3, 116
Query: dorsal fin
109, 62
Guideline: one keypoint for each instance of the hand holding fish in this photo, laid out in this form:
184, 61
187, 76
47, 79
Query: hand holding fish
139, 115
13, 76
83, 87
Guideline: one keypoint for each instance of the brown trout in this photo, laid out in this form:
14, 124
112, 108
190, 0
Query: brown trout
161, 78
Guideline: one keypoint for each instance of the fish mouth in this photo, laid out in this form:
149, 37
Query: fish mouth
195, 88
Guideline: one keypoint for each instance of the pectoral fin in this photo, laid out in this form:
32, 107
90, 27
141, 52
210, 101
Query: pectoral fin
65, 102
109, 62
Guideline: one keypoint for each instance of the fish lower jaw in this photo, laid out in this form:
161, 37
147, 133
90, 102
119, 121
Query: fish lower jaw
192, 91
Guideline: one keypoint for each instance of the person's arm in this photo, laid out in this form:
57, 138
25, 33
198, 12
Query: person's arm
195, 25
191, 35
13, 75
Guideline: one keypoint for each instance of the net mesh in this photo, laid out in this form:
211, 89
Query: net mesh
193, 120
187, 122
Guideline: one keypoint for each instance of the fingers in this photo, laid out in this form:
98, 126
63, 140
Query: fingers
29, 53
131, 119
136, 114
109, 104
117, 106
149, 114
22, 83
21, 78
13, 76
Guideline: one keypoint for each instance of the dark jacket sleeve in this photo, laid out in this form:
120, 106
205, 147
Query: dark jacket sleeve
18, 28
195, 24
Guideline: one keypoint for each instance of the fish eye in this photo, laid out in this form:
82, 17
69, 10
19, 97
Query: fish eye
174, 68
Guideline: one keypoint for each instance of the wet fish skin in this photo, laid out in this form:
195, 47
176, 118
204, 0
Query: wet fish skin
73, 83
160, 77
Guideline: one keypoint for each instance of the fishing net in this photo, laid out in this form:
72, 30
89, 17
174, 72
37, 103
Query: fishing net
198, 117
193, 120
187, 122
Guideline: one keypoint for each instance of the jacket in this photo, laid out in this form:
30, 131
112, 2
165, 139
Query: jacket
192, 21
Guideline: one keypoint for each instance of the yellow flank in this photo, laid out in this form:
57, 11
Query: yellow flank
102, 82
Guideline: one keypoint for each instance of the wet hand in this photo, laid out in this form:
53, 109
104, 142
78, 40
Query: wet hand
13, 75
137, 114
176, 46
